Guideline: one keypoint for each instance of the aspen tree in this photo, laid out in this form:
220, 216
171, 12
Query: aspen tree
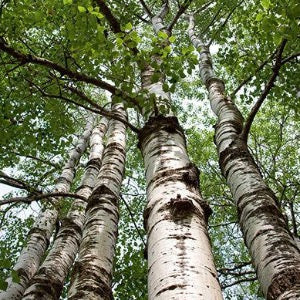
180, 260
49, 280
274, 252
41, 231
92, 275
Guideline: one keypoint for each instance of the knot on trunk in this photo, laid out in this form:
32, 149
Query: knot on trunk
181, 207
191, 176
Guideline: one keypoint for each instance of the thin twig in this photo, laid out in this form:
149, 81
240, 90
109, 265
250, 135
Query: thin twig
132, 218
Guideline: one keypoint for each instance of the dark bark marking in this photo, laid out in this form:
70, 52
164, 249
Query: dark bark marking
286, 280
170, 288
157, 123
98, 193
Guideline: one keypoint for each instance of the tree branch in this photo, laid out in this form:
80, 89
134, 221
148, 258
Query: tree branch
56, 166
112, 20
28, 58
265, 93
289, 58
132, 218
225, 286
17, 183
180, 12
256, 71
40, 197
147, 10
224, 23
101, 110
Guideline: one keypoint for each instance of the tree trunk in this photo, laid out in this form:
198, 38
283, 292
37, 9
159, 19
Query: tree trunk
92, 275
180, 260
40, 233
48, 282
274, 253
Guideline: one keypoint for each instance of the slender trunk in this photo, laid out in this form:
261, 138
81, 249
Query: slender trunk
274, 252
40, 233
180, 260
92, 275
48, 282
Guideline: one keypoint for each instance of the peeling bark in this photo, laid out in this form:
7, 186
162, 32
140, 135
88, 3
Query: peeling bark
92, 274
274, 252
40, 233
180, 261
49, 280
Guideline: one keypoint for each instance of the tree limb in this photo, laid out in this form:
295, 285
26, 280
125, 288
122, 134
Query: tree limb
101, 110
225, 22
180, 12
265, 93
147, 10
40, 197
28, 58
17, 183
225, 286
255, 72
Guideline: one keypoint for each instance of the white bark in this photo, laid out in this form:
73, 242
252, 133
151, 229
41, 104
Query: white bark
180, 261
48, 282
274, 252
40, 233
92, 275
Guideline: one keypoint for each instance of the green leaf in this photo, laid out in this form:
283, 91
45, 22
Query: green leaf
172, 39
259, 17
66, 2
162, 35
97, 14
165, 87
81, 9
265, 3
3, 285
128, 27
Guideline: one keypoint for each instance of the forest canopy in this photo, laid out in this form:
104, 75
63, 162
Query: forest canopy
208, 92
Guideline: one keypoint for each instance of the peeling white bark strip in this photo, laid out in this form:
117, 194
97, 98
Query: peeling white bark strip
180, 261
48, 282
274, 252
40, 233
92, 274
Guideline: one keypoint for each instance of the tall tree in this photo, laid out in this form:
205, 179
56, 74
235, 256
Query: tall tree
92, 274
49, 280
39, 235
274, 252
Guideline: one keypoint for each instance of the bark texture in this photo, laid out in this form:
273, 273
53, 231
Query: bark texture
92, 274
180, 261
40, 233
48, 282
273, 250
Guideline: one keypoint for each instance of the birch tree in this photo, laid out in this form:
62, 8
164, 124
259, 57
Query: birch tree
274, 252
40, 234
92, 274
48, 281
